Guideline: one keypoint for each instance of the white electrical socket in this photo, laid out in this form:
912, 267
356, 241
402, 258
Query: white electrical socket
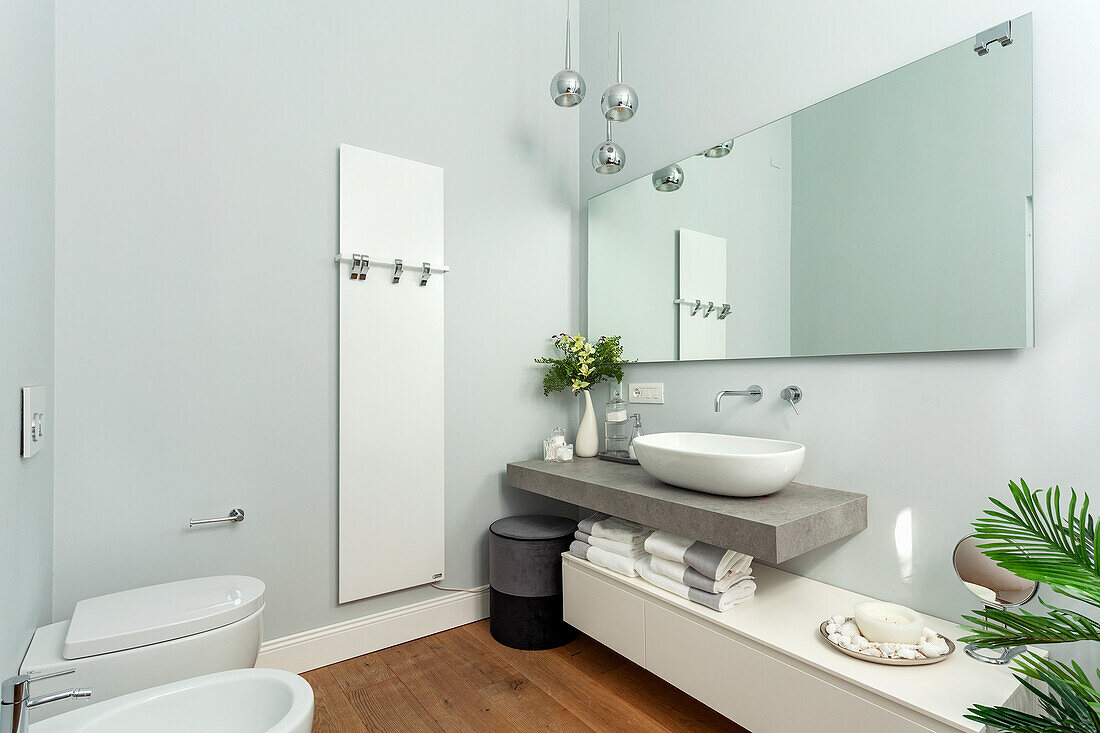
647, 393
34, 420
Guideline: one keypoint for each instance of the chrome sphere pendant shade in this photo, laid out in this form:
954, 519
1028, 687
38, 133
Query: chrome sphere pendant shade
608, 157
669, 178
619, 101
567, 87
719, 151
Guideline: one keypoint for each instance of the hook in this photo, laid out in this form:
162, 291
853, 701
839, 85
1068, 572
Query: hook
398, 268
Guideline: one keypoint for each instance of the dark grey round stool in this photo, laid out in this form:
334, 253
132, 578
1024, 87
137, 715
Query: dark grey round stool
525, 595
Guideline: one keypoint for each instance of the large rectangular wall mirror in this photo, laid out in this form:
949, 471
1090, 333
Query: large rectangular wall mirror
893, 217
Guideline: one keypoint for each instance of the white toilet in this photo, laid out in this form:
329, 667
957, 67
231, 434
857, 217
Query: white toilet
141, 638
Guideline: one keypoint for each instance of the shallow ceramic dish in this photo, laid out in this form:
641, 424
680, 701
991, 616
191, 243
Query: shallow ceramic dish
885, 660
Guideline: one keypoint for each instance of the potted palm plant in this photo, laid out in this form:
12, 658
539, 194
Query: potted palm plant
1043, 540
583, 364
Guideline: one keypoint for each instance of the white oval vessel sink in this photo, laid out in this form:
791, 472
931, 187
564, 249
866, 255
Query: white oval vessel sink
238, 701
730, 465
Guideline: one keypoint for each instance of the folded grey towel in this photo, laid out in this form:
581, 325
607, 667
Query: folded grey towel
585, 525
713, 562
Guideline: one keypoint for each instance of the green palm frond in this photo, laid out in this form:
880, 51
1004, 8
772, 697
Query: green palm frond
1067, 711
996, 627
1070, 675
1038, 542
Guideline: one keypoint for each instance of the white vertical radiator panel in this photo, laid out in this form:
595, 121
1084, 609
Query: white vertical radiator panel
702, 266
391, 377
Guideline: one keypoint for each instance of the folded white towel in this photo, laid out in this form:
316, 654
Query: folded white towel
713, 562
613, 528
739, 593
688, 575
619, 548
603, 558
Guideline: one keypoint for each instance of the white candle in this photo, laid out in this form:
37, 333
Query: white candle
888, 622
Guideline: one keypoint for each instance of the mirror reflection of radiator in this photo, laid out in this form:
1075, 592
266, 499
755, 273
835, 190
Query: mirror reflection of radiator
391, 374
702, 267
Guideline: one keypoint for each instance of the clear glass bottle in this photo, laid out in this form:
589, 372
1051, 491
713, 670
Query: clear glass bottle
616, 426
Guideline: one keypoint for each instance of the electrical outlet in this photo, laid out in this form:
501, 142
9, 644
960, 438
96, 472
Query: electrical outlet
647, 394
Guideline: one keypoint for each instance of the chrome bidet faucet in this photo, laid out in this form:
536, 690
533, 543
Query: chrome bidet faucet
754, 393
15, 700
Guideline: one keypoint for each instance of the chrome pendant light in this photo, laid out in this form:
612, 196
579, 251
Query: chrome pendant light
669, 178
609, 156
719, 151
619, 101
567, 87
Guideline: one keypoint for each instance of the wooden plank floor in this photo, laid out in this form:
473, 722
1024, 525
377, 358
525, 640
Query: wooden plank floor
463, 680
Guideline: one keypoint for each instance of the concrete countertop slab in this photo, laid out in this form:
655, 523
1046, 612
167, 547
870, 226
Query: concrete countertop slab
776, 528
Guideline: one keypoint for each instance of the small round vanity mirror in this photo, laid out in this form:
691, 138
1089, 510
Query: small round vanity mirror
993, 585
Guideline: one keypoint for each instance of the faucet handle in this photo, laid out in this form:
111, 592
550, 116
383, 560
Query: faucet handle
793, 395
15, 688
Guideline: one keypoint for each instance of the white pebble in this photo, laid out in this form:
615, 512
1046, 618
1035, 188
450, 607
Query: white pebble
839, 620
834, 638
861, 642
941, 646
831, 628
888, 650
850, 629
872, 651
907, 653
928, 633
845, 640
928, 650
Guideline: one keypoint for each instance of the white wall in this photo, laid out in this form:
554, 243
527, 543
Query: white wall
928, 436
26, 317
196, 293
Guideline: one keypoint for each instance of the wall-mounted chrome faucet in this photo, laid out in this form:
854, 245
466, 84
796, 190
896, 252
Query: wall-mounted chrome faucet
754, 393
793, 395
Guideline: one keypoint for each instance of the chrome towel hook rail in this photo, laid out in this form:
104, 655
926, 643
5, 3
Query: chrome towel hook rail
235, 515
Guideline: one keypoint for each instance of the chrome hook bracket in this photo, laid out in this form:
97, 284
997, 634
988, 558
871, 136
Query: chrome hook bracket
359, 266
1001, 33
425, 274
398, 268
725, 311
709, 310
695, 308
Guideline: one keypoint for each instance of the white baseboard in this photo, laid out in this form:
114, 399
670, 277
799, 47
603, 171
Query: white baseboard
330, 644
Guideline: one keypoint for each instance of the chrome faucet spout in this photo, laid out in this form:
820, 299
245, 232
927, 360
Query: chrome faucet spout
754, 393
15, 700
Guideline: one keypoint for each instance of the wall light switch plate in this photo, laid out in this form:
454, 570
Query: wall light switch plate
647, 394
34, 420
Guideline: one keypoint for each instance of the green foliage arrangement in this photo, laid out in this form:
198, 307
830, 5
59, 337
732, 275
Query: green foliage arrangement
584, 364
1039, 541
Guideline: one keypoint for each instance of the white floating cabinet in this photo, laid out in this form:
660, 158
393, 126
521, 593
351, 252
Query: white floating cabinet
765, 666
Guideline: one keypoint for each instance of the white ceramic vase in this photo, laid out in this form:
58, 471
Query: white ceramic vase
588, 440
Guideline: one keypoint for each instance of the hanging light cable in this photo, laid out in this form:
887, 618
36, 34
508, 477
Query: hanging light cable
619, 101
567, 87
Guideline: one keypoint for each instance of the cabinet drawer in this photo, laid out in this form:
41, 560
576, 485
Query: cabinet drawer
753, 689
609, 614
